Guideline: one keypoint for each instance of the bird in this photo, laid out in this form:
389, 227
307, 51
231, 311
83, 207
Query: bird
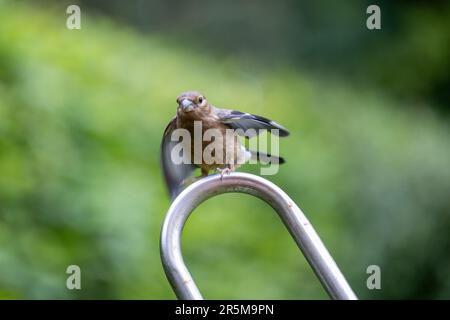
192, 108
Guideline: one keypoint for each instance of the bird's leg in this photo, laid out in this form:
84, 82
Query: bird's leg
204, 172
227, 170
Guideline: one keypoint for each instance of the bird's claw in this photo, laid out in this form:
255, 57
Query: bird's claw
224, 171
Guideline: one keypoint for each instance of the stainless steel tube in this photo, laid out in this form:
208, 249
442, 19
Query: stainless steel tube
298, 225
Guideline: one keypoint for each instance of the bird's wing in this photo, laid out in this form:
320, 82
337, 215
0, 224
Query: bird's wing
241, 120
174, 174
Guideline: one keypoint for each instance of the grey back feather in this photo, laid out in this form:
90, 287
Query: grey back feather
241, 120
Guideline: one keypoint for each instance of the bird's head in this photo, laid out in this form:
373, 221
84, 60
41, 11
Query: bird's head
191, 101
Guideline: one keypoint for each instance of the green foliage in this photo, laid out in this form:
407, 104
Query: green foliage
81, 118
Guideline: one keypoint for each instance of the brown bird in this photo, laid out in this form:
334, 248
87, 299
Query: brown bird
194, 112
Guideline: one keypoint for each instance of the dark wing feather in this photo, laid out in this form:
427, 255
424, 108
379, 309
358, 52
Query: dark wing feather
241, 120
174, 174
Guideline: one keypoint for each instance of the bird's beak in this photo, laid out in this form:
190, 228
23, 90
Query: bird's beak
187, 105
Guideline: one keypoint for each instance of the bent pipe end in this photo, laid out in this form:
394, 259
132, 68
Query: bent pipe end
293, 218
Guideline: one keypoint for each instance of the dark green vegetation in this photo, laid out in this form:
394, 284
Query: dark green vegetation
81, 118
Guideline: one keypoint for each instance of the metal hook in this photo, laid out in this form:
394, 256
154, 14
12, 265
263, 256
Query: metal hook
298, 225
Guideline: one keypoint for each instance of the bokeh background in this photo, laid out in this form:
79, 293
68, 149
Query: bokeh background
82, 114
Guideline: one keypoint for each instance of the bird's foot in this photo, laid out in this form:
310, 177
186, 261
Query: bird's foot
224, 171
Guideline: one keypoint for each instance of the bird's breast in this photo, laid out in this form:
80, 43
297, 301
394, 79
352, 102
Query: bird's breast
212, 145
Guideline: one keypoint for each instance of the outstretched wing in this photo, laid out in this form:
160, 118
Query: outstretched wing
241, 120
174, 174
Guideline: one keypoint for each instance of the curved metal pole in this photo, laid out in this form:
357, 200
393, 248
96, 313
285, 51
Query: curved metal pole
298, 225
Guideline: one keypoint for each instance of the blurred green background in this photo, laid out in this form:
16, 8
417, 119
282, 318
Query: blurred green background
82, 114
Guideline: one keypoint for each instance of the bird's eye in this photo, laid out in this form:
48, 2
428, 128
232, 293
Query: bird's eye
200, 99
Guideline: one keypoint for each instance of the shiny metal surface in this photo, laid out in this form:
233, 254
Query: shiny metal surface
298, 225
